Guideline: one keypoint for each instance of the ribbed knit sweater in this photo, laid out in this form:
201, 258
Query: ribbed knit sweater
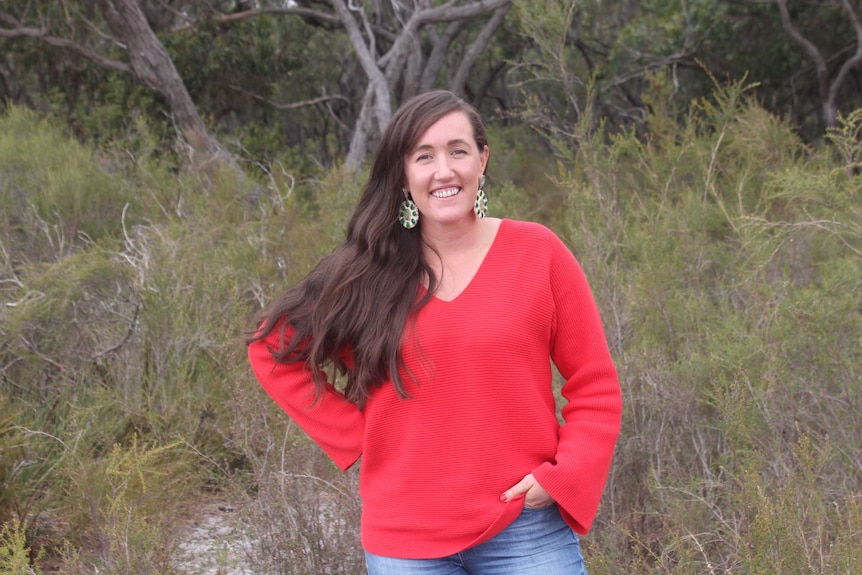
481, 414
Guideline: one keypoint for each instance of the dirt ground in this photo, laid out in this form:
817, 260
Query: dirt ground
215, 544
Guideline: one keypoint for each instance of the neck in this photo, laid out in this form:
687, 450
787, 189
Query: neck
455, 239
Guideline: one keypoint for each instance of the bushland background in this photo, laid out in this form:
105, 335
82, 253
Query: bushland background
167, 167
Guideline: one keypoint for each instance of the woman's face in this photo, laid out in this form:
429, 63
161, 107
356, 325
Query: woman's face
443, 170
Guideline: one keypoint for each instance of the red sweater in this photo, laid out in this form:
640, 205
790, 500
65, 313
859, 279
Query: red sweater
483, 414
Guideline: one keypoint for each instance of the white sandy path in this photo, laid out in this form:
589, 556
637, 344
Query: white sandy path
215, 544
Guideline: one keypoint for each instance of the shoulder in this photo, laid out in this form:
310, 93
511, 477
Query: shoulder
532, 234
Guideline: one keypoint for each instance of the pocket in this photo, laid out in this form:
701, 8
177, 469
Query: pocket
542, 508
509, 512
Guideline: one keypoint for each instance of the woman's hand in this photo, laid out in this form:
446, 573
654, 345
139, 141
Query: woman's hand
534, 494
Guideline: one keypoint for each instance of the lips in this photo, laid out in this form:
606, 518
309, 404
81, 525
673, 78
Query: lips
445, 193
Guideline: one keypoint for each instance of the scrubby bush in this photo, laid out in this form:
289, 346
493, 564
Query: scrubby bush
725, 255
726, 258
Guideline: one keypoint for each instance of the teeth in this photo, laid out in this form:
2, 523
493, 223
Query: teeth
445, 193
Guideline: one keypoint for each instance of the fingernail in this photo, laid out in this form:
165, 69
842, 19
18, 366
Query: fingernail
503, 498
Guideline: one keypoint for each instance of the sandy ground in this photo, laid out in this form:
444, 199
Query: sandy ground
215, 544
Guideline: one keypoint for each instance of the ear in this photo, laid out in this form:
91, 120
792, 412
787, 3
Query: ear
483, 157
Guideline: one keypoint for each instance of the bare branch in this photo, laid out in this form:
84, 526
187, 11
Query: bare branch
281, 106
386, 72
445, 13
129, 332
372, 39
828, 90
413, 73
45, 38
820, 68
152, 65
359, 141
376, 78
438, 52
796, 36
854, 61
479, 46
178, 13
257, 12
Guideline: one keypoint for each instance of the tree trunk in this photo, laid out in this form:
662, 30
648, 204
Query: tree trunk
367, 58
9, 87
479, 46
828, 89
359, 140
438, 53
385, 73
152, 65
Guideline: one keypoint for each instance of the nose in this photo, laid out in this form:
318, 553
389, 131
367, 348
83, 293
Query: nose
444, 170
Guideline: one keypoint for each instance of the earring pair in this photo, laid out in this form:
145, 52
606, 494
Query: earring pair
409, 214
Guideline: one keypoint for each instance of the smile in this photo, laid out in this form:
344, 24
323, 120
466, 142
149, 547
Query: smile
447, 193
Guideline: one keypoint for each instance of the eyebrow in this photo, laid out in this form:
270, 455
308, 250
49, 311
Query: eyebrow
454, 142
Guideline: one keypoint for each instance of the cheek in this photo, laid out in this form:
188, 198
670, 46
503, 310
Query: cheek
414, 176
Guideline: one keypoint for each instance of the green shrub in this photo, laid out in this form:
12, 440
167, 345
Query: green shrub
725, 256
53, 193
14, 554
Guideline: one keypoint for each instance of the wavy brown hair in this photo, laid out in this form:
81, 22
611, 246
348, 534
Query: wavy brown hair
359, 298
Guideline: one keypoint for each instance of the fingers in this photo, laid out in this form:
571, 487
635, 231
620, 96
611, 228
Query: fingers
537, 496
519, 488
534, 494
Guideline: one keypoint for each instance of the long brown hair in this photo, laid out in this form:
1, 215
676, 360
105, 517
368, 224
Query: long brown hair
359, 298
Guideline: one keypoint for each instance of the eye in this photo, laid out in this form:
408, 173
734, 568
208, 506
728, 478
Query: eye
423, 157
459, 152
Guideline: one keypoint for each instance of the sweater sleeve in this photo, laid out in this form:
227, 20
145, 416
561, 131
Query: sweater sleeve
592, 413
334, 423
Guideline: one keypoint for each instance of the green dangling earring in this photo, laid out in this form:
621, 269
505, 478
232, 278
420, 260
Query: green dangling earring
409, 214
480, 206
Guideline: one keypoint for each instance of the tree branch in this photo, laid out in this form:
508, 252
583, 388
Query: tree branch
851, 63
448, 13
359, 141
438, 52
479, 46
306, 12
376, 78
152, 65
808, 46
280, 106
828, 90
45, 38
445, 13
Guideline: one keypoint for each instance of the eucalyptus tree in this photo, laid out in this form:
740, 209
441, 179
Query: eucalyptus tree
592, 61
399, 47
831, 70
128, 28
616, 58
388, 40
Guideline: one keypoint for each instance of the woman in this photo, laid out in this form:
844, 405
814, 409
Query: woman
445, 323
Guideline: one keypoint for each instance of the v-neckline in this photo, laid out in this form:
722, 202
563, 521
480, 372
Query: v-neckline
478, 272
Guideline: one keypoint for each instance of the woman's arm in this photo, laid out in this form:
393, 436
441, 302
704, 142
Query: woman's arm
592, 413
334, 423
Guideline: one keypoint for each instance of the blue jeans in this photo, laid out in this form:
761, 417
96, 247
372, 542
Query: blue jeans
538, 542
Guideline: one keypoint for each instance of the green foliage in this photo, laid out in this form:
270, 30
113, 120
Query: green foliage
53, 194
11, 453
130, 513
14, 554
725, 255
546, 22
726, 259
845, 138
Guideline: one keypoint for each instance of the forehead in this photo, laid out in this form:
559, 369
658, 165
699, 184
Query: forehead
454, 126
